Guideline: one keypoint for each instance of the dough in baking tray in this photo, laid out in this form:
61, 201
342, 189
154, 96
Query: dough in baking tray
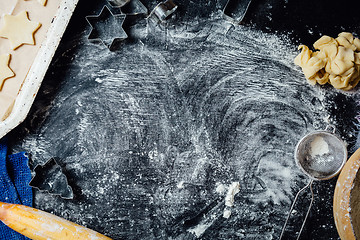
42, 2
5, 70
19, 29
32, 14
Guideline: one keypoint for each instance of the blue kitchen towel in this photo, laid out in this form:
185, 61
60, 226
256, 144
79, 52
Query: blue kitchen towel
15, 176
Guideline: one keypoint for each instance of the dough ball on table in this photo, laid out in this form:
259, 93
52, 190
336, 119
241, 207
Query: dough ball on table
334, 61
309, 62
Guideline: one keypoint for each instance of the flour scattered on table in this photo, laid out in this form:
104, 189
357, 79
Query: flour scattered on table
176, 115
227, 213
220, 188
199, 230
233, 189
180, 185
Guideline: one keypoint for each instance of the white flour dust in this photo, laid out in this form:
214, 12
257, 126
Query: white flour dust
319, 147
233, 189
150, 131
321, 160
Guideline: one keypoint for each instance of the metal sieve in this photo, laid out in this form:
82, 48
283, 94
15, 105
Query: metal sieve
320, 155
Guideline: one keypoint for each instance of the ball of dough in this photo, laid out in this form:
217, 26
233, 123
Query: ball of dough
335, 61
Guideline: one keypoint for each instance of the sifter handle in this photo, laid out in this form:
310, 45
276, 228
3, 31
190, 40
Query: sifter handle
330, 128
292, 207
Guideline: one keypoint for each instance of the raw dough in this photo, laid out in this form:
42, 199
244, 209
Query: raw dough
5, 70
42, 2
19, 29
337, 62
23, 57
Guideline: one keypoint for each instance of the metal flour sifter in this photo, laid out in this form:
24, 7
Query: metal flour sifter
320, 155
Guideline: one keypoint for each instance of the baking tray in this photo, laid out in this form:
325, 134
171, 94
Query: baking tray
32, 82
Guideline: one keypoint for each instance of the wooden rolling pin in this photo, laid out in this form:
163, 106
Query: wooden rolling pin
40, 225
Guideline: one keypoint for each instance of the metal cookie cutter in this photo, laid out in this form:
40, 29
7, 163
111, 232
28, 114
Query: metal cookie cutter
107, 27
50, 178
235, 10
118, 3
135, 7
163, 10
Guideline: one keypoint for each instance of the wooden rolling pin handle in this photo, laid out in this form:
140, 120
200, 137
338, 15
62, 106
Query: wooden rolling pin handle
40, 225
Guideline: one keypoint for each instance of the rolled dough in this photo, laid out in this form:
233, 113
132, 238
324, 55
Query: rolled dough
23, 57
42, 2
19, 29
5, 70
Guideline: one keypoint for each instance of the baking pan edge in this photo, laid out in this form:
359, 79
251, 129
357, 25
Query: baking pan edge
38, 69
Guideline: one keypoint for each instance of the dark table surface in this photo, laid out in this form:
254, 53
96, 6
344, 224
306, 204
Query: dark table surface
145, 133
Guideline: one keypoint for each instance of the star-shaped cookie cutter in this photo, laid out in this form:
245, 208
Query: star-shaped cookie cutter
107, 27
